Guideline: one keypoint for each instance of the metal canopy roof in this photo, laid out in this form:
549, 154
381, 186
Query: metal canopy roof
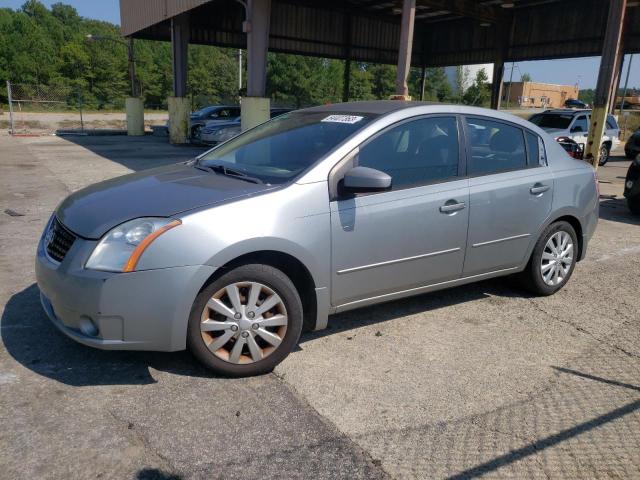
447, 32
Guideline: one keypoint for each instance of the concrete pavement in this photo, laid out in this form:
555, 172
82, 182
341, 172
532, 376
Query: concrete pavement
482, 380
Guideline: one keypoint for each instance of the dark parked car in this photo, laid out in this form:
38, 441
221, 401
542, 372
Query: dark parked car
222, 113
632, 147
575, 103
632, 187
217, 132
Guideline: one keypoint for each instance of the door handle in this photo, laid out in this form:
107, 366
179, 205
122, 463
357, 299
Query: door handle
452, 207
539, 188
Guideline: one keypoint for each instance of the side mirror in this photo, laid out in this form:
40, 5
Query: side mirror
365, 179
577, 128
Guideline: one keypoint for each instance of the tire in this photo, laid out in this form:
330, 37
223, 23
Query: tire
214, 309
532, 277
634, 205
195, 133
605, 150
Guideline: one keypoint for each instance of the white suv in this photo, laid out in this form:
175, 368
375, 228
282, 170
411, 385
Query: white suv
575, 125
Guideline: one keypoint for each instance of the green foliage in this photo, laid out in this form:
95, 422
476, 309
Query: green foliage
479, 93
525, 77
48, 47
587, 95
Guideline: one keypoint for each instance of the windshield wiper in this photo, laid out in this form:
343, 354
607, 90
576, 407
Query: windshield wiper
230, 172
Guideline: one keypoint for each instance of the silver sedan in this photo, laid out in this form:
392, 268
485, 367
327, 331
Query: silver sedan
315, 212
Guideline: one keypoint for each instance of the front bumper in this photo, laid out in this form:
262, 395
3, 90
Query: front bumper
144, 310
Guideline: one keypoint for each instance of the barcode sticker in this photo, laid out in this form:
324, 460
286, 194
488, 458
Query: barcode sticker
342, 118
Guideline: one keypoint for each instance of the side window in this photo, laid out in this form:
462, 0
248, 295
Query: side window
535, 149
543, 152
611, 122
580, 125
495, 147
415, 152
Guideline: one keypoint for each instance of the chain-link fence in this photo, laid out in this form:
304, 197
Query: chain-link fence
44, 109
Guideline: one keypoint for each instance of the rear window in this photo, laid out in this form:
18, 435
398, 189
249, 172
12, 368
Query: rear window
552, 120
611, 122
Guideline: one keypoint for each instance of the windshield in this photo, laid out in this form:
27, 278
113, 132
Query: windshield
284, 147
551, 120
203, 111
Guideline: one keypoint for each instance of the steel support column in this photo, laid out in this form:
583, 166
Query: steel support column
180, 53
496, 83
179, 105
346, 81
406, 45
254, 108
504, 37
257, 28
615, 85
606, 74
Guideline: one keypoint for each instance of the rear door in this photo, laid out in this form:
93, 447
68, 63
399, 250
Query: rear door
510, 193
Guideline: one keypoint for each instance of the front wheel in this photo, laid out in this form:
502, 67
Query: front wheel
604, 155
553, 259
245, 322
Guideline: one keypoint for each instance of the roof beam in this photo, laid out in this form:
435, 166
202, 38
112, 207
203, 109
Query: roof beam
469, 8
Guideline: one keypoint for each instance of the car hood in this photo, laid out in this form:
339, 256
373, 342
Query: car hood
158, 192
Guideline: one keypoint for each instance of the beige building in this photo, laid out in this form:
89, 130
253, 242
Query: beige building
537, 95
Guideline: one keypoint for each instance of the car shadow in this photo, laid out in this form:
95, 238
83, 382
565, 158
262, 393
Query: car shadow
137, 153
500, 287
33, 341
616, 210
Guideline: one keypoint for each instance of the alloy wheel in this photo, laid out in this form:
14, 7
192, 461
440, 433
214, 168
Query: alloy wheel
604, 155
244, 322
557, 258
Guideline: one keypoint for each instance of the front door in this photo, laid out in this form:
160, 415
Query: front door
412, 235
510, 194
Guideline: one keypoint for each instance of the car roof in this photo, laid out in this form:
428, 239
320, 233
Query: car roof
379, 107
568, 111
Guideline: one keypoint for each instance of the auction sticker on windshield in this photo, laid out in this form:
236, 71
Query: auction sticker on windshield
342, 118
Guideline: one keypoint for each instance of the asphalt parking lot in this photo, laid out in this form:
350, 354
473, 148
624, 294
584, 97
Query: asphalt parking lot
478, 381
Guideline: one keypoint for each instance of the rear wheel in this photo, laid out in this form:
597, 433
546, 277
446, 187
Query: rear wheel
553, 259
604, 154
245, 322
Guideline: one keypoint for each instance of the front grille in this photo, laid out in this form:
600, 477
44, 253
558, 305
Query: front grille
58, 240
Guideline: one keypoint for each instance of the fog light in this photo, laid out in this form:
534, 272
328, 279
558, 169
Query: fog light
629, 184
88, 327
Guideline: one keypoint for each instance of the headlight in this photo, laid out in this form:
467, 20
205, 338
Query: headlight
225, 134
121, 248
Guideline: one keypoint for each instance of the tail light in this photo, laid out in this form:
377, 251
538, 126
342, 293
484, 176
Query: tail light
595, 179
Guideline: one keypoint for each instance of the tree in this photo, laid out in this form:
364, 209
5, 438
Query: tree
478, 93
525, 77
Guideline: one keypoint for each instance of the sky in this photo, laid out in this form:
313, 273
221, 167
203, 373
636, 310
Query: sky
583, 71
